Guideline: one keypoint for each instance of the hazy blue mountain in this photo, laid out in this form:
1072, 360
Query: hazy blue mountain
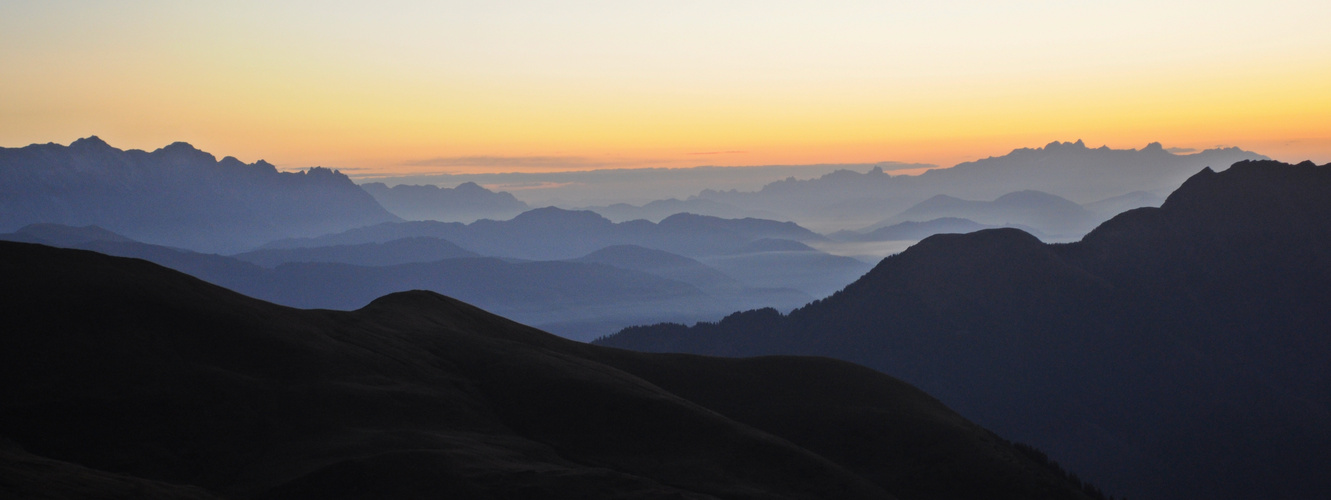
1049, 215
465, 203
557, 234
400, 251
225, 271
176, 196
837, 200
119, 378
848, 199
661, 263
772, 263
1109, 207
1174, 352
1081, 174
602, 185
913, 230
724, 288
657, 210
579, 300
773, 245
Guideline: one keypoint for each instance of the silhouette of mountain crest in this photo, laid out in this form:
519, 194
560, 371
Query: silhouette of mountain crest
90, 143
560, 218
122, 366
465, 203
1185, 344
177, 195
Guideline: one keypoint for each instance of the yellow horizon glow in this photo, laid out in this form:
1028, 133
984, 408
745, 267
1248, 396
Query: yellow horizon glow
382, 88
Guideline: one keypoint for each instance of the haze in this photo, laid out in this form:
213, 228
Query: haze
425, 88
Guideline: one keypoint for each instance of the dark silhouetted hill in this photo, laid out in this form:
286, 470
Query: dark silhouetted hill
1174, 352
120, 377
60, 235
176, 196
465, 203
580, 300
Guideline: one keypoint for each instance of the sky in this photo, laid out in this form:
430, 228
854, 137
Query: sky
415, 87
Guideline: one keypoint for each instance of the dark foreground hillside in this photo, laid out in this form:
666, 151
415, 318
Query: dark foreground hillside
120, 378
1174, 352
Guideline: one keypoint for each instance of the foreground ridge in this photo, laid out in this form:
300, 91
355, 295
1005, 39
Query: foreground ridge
121, 368
1174, 352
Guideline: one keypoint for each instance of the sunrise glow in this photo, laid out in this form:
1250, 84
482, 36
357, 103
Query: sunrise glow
409, 87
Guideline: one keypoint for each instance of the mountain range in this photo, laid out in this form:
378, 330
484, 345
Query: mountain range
849, 200
658, 210
465, 203
176, 196
552, 234
399, 251
581, 299
120, 378
556, 234
1174, 352
915, 230
1048, 214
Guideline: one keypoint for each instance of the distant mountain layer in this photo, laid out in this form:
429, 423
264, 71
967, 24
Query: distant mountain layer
465, 203
580, 299
176, 196
1109, 207
660, 209
725, 244
1048, 214
851, 200
913, 230
1081, 174
403, 251
1174, 352
552, 233
122, 378
661, 263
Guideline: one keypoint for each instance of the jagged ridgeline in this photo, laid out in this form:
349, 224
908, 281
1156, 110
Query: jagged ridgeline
176, 196
1174, 352
123, 379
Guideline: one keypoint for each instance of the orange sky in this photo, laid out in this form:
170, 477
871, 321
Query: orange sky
402, 87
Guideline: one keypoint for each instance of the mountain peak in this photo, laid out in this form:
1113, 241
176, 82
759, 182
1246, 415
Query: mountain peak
556, 215
414, 299
1054, 146
90, 142
183, 153
179, 146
